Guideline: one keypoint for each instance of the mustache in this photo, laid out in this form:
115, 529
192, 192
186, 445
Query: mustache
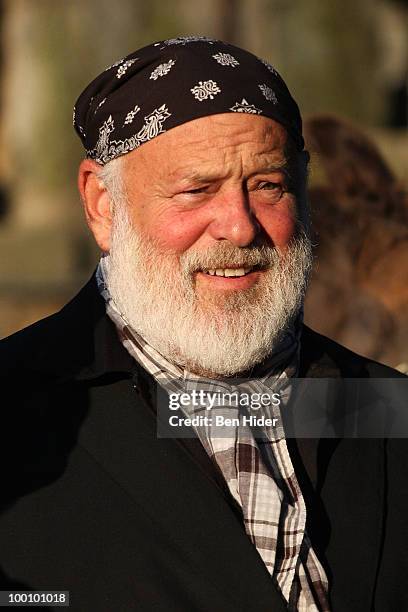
224, 255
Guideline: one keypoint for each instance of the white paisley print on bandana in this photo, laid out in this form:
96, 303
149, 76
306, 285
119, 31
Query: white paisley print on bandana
106, 128
74, 123
205, 90
123, 68
107, 149
268, 93
117, 63
153, 124
131, 115
245, 107
225, 59
183, 40
101, 103
162, 70
269, 67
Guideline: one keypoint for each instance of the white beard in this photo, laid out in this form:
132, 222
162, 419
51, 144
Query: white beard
211, 335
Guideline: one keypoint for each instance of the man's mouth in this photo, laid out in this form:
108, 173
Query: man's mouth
230, 272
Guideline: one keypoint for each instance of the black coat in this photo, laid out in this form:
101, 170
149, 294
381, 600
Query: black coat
96, 504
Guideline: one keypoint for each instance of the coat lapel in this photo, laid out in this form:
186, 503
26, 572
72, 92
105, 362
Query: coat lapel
352, 494
175, 489
344, 485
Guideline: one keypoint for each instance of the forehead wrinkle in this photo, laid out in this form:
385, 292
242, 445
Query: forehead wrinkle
205, 166
255, 163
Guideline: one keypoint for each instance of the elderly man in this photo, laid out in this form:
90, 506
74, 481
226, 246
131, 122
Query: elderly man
194, 189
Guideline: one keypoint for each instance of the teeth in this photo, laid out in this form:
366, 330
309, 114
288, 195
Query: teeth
228, 272
234, 272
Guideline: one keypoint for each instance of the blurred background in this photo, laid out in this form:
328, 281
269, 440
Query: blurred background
346, 63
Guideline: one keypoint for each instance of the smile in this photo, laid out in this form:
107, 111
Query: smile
229, 272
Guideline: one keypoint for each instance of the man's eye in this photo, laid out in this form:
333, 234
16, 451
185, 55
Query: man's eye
271, 186
198, 190
273, 191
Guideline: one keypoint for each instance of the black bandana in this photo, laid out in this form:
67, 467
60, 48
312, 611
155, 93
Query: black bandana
174, 81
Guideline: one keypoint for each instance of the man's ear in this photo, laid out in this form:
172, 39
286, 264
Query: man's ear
96, 202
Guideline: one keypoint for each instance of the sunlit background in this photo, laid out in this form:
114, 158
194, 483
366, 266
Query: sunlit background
349, 58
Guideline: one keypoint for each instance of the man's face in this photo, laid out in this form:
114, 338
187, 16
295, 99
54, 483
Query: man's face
212, 180
205, 258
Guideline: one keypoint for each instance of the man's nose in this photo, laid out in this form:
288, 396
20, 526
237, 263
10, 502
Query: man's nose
234, 220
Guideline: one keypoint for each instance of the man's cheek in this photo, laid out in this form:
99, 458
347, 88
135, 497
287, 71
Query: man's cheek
280, 226
179, 231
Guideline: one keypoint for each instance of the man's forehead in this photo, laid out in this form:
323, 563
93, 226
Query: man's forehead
215, 138
226, 126
212, 167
